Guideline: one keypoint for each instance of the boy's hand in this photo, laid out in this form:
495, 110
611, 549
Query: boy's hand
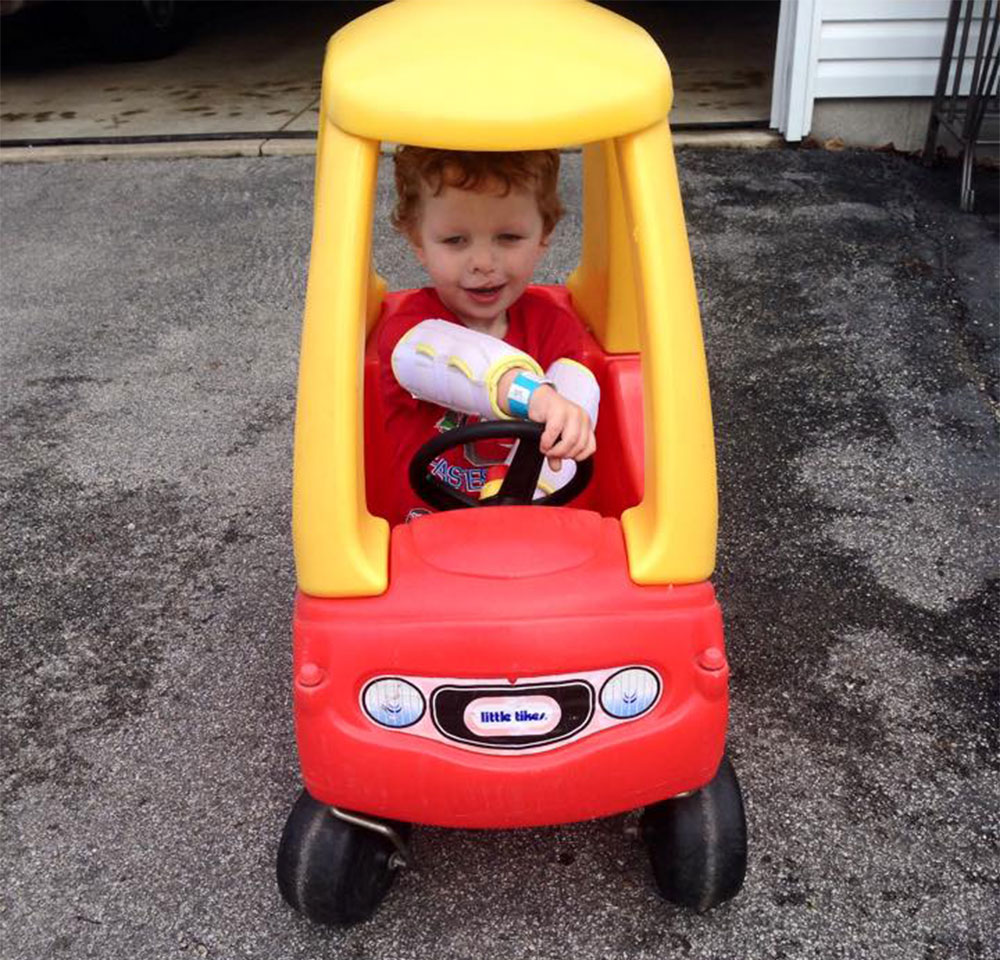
568, 431
564, 421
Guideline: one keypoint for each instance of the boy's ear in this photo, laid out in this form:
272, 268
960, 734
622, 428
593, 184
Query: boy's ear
417, 247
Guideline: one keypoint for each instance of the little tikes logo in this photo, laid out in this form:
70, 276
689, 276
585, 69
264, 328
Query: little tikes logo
512, 716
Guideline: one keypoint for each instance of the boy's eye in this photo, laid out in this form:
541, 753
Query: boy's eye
510, 237
453, 241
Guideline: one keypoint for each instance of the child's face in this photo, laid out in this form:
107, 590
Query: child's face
481, 249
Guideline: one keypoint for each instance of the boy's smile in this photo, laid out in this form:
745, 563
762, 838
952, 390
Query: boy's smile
480, 248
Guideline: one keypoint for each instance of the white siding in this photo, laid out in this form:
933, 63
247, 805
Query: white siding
885, 9
880, 48
856, 48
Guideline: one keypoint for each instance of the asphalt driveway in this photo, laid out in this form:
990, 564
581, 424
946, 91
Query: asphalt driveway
150, 315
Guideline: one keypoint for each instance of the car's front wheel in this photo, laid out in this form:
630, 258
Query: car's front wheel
333, 871
698, 844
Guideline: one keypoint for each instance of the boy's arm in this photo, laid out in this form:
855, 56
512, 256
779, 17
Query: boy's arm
575, 382
569, 411
458, 368
465, 370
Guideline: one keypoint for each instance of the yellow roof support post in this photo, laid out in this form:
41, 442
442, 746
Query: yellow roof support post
671, 534
340, 548
602, 286
376, 292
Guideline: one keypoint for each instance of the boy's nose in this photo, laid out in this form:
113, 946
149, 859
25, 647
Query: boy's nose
481, 259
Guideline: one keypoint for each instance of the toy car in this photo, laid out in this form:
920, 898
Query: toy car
508, 665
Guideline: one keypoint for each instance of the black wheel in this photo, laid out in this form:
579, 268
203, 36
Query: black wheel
332, 871
698, 844
136, 29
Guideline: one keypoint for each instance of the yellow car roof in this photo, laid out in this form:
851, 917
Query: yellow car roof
453, 74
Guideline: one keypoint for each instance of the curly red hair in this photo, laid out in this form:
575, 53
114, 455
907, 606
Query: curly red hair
536, 170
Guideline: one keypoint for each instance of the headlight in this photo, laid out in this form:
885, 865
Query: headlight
393, 702
630, 692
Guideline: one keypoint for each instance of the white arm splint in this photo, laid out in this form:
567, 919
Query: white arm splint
455, 367
575, 382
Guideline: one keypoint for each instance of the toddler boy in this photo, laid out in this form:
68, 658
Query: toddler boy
480, 342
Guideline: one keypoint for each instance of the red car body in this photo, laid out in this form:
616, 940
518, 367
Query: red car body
503, 603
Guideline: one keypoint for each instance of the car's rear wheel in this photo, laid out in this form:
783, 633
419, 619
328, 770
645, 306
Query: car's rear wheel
698, 844
332, 871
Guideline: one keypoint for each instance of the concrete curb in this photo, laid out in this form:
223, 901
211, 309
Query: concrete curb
135, 151
730, 139
266, 147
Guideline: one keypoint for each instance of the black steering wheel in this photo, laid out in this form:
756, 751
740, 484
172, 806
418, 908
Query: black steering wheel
518, 487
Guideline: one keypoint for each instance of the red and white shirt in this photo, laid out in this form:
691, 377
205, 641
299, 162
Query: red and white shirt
539, 323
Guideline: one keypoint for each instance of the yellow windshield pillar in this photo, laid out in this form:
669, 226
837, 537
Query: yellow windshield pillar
340, 548
376, 292
670, 536
602, 286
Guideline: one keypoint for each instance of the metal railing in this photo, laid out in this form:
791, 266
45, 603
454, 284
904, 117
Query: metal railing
962, 110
